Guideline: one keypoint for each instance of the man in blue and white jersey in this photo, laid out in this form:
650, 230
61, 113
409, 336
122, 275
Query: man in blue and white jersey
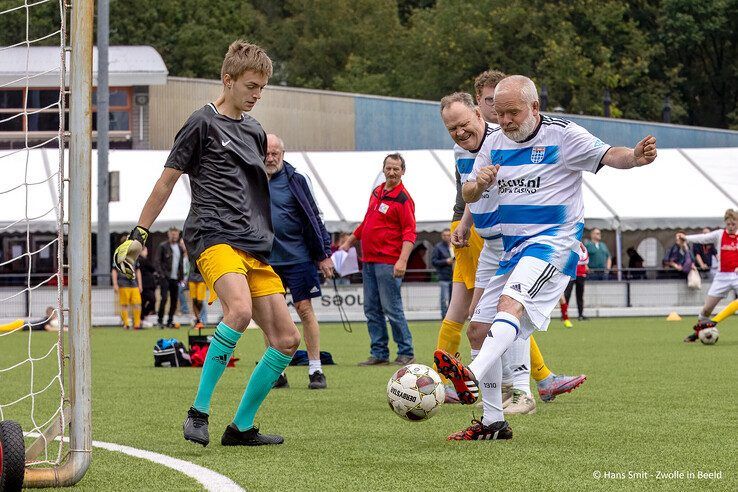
536, 162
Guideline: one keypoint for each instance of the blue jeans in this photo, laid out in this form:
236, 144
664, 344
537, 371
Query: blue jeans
382, 298
184, 308
445, 298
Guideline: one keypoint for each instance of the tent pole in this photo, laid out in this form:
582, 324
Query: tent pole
619, 250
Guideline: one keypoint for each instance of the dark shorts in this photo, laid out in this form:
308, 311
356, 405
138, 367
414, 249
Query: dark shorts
301, 279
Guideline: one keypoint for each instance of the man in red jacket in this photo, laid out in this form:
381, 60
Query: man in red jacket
387, 234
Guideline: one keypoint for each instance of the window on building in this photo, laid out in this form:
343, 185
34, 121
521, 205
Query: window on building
42, 110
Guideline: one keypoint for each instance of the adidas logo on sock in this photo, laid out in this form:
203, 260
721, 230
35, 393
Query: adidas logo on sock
515, 287
222, 358
521, 368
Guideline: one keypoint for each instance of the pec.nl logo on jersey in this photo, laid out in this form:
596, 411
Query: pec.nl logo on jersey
537, 154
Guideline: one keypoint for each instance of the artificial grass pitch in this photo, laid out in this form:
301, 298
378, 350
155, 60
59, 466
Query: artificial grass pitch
654, 413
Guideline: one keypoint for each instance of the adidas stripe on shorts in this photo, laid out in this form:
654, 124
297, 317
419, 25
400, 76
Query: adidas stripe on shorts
536, 284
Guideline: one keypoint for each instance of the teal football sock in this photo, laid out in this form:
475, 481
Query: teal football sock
266, 373
221, 348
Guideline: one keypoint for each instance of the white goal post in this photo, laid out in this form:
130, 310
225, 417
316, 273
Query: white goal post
61, 452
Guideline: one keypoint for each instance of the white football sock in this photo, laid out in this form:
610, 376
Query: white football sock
519, 360
501, 335
474, 353
314, 366
507, 375
491, 385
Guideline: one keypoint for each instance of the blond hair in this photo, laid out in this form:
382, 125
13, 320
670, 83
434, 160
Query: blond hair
459, 97
730, 214
488, 78
242, 57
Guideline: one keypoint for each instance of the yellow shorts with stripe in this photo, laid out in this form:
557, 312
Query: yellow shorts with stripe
220, 259
129, 296
197, 290
465, 266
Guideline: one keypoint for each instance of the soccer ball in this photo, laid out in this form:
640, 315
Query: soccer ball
709, 336
415, 392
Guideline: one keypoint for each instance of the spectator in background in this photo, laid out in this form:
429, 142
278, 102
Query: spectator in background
170, 263
679, 259
600, 259
416, 264
635, 262
443, 261
198, 293
129, 294
149, 281
387, 235
184, 306
582, 268
301, 248
703, 253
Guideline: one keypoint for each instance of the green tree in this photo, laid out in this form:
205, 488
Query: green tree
191, 35
338, 44
701, 42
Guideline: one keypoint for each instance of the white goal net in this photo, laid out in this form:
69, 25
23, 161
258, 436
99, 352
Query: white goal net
37, 356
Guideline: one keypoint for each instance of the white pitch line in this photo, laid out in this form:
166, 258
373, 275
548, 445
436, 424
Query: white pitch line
209, 479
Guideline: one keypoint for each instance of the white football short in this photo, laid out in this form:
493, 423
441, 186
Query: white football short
489, 262
536, 284
723, 283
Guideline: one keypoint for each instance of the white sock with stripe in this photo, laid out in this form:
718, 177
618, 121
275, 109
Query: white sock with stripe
507, 377
519, 360
491, 386
474, 353
501, 335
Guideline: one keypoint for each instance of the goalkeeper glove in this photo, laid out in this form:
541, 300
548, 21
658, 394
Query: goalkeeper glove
125, 256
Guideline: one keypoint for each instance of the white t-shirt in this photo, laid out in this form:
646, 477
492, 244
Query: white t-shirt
541, 212
484, 211
175, 260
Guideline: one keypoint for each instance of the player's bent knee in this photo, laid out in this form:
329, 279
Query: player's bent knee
477, 331
288, 343
509, 305
240, 316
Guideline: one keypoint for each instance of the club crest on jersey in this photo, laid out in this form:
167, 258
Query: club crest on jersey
537, 154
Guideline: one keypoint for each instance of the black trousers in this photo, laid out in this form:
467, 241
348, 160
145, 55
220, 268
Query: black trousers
148, 302
579, 282
169, 288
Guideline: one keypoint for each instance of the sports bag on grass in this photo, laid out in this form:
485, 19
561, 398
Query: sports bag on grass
170, 352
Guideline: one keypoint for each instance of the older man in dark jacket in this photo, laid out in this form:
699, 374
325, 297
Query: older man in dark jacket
301, 246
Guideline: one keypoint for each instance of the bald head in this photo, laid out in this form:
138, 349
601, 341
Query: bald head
519, 85
275, 154
516, 105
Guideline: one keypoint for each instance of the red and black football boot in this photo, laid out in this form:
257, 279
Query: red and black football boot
464, 381
701, 325
480, 432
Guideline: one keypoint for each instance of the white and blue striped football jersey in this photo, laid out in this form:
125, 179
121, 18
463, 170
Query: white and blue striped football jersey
484, 211
539, 187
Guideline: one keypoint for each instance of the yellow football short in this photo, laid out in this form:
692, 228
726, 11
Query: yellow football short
129, 296
465, 266
198, 290
220, 259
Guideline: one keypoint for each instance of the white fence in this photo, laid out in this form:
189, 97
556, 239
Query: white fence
421, 301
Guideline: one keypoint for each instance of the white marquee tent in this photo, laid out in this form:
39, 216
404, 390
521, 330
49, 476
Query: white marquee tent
683, 189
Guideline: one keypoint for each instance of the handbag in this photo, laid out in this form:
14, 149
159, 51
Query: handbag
694, 281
